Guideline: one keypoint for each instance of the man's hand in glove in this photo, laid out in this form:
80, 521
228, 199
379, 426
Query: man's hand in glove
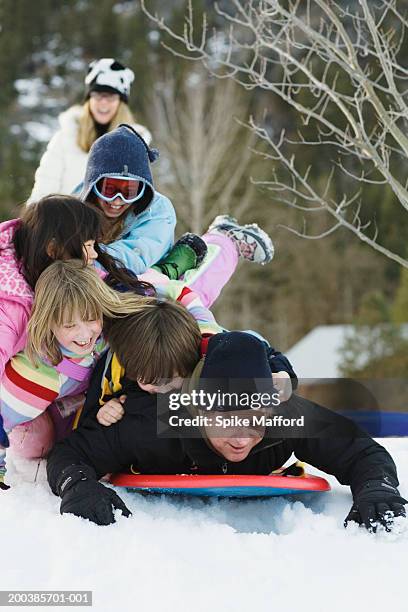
376, 503
92, 500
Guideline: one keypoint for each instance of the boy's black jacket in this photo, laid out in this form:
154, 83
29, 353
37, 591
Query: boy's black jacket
343, 449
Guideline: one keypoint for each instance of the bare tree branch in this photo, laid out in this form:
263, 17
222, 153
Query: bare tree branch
337, 67
207, 150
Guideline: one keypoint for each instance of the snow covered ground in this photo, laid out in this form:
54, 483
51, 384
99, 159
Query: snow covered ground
275, 554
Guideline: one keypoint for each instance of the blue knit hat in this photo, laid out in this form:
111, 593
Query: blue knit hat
122, 152
236, 362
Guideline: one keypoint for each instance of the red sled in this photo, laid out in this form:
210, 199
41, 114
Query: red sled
221, 486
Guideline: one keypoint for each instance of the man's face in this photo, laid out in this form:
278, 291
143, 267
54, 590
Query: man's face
233, 448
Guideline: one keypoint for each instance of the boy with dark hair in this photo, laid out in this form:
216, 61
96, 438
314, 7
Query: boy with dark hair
165, 355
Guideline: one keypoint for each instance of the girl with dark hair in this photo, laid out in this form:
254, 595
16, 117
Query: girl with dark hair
140, 221
56, 227
43, 385
64, 341
63, 227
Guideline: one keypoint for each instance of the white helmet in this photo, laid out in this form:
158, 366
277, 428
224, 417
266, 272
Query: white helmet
107, 74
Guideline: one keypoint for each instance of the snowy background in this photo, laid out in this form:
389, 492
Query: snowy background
276, 554
279, 554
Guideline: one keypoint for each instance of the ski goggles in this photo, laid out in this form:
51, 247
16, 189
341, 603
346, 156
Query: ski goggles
111, 187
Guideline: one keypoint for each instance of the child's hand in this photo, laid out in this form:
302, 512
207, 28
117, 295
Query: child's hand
112, 411
282, 382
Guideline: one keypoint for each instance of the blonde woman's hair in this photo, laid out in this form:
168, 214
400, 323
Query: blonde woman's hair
86, 126
158, 340
64, 289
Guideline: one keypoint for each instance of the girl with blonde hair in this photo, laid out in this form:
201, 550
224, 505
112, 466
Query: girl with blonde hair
64, 341
62, 167
55, 227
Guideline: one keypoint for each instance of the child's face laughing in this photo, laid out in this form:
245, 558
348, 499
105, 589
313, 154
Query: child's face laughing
115, 209
78, 336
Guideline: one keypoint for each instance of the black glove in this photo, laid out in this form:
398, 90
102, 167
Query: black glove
376, 503
83, 496
93, 501
280, 363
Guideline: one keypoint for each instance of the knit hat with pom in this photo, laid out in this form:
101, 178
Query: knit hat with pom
122, 153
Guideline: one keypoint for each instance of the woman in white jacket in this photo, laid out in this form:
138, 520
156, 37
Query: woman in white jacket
62, 167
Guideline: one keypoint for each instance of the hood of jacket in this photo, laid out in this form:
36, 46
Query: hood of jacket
122, 152
12, 282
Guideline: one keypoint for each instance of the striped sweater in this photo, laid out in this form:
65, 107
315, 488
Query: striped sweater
26, 391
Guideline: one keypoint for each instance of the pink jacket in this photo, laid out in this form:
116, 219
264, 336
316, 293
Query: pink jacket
16, 297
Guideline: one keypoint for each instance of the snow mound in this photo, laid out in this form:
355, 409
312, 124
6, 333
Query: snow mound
216, 555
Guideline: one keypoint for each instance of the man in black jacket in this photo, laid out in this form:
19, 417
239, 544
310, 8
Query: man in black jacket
327, 441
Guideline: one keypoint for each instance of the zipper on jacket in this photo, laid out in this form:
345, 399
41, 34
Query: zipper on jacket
224, 466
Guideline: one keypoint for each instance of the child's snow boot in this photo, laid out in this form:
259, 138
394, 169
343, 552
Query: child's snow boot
4, 443
252, 242
3, 485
